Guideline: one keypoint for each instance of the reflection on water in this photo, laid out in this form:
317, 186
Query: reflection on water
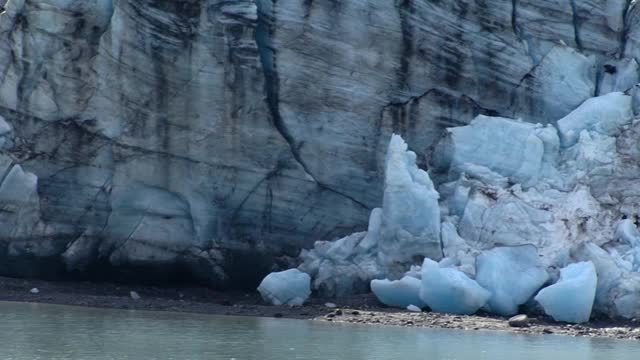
31, 331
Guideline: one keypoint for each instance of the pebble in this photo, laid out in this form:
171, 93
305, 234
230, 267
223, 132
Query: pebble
134, 295
414, 308
34, 291
330, 305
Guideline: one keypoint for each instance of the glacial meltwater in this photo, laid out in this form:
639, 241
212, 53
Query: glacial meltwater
36, 331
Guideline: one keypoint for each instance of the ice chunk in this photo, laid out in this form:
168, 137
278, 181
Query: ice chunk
414, 271
370, 240
290, 287
618, 290
448, 290
627, 232
571, 298
604, 114
512, 275
457, 250
400, 293
518, 155
410, 212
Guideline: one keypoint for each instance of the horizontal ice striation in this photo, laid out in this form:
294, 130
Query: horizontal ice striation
571, 298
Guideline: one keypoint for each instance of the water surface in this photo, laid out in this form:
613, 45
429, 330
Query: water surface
36, 331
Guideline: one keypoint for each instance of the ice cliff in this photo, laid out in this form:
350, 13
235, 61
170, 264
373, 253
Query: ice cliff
200, 138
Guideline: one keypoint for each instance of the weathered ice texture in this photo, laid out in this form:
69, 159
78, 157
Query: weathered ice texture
147, 138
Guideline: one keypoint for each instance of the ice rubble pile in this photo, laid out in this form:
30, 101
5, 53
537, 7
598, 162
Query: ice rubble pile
515, 202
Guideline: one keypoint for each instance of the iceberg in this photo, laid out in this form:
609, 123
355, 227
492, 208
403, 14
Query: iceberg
289, 287
571, 298
448, 290
512, 275
400, 293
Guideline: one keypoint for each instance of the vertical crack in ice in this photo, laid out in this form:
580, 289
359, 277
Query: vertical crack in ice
576, 24
514, 19
266, 10
625, 29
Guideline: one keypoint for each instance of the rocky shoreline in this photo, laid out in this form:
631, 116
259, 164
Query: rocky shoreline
361, 309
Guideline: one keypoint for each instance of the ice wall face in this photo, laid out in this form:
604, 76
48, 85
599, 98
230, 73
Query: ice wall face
195, 134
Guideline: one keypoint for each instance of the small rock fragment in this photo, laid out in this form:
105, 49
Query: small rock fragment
34, 291
414, 308
330, 305
134, 295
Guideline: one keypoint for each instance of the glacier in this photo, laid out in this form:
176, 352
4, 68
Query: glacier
247, 131
571, 298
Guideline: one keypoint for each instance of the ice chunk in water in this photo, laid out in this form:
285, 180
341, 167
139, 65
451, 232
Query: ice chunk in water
512, 275
400, 293
571, 298
290, 287
448, 290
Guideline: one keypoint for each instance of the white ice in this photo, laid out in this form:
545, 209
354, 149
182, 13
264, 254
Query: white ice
571, 298
289, 287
